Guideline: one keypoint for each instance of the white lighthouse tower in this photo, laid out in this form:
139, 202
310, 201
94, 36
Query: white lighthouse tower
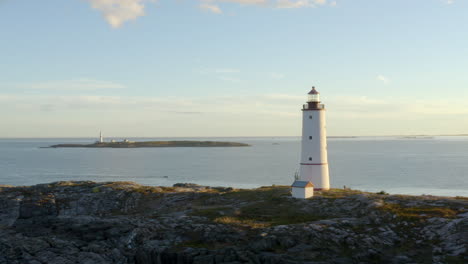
314, 160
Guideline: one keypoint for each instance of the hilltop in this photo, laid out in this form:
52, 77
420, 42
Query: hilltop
123, 222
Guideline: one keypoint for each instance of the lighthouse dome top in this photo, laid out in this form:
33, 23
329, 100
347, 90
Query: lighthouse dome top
313, 95
313, 91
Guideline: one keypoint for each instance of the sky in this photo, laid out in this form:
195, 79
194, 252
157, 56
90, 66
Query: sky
230, 68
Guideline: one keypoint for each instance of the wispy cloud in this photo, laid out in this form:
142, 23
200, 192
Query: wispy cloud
117, 12
385, 80
274, 3
229, 79
187, 113
226, 70
449, 2
79, 84
274, 103
211, 8
293, 4
299, 3
243, 2
217, 70
243, 115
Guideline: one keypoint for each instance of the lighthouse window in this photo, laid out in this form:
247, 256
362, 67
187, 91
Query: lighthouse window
310, 158
310, 137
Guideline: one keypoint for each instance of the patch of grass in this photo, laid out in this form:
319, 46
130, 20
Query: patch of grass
259, 208
147, 190
95, 190
262, 193
337, 193
71, 183
233, 220
415, 213
461, 197
274, 213
213, 212
168, 189
131, 186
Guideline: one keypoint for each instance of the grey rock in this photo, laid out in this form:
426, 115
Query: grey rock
87, 222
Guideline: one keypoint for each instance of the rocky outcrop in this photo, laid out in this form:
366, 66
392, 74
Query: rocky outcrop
123, 222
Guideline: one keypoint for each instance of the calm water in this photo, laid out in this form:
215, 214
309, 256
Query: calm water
437, 166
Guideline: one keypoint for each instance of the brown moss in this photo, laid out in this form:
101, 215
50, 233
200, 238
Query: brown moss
212, 212
262, 193
233, 220
276, 213
423, 212
337, 193
258, 208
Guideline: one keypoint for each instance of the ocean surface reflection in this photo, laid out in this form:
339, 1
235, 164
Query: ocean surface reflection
437, 166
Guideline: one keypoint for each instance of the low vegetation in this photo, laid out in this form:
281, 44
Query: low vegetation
257, 208
417, 213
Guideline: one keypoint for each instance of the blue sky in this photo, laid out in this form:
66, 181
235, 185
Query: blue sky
231, 67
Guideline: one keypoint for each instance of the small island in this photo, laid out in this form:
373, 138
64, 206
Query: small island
152, 144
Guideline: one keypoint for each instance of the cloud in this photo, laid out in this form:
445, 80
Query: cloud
217, 70
117, 12
383, 79
226, 70
292, 4
254, 115
285, 98
285, 104
299, 3
211, 8
79, 84
449, 2
202, 104
245, 2
392, 108
187, 113
229, 79
224, 74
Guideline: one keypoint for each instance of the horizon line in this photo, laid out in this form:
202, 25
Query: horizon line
351, 136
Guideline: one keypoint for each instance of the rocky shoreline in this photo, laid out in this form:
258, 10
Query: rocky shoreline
123, 222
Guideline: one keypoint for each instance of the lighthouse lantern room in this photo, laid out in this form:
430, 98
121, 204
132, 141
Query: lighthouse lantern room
314, 160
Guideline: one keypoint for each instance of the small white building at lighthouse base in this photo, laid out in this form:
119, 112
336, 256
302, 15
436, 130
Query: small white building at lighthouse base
302, 189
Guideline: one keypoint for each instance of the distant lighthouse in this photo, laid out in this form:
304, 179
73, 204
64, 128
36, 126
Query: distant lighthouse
314, 160
101, 138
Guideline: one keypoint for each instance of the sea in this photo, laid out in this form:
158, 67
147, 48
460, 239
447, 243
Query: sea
397, 165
